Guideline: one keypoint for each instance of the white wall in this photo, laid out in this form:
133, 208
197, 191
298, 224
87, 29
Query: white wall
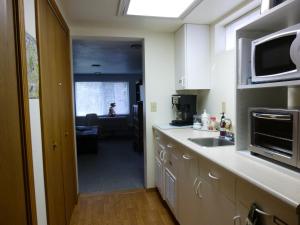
223, 79
35, 124
159, 78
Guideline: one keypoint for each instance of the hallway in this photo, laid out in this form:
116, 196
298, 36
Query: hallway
115, 167
137, 207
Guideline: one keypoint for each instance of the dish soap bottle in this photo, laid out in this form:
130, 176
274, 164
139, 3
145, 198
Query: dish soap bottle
222, 126
205, 120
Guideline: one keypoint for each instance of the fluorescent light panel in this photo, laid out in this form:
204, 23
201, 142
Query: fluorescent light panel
159, 8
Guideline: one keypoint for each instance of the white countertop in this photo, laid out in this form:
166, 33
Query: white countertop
281, 182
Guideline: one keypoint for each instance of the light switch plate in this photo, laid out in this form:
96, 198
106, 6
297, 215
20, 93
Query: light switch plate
153, 106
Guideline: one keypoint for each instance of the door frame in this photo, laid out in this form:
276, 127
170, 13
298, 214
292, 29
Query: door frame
115, 38
23, 95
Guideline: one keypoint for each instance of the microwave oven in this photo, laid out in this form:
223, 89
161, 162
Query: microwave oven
276, 57
275, 134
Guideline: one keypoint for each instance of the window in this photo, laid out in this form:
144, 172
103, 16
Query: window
96, 97
231, 28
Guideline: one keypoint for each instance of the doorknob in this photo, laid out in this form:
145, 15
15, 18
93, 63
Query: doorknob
54, 146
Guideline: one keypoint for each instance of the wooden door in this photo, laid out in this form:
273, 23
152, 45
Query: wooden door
56, 109
14, 187
66, 121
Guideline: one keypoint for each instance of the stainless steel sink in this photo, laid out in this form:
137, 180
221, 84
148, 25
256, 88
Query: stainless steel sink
211, 142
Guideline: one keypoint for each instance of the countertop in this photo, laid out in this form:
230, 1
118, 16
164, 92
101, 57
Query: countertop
279, 181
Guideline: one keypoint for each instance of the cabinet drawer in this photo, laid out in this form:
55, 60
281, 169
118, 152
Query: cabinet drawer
280, 212
220, 179
159, 143
172, 157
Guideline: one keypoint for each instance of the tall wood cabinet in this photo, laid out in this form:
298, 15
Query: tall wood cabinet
56, 113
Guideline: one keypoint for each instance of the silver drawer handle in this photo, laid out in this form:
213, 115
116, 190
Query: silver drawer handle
213, 177
263, 213
164, 156
272, 116
169, 146
198, 189
194, 185
187, 157
160, 155
236, 218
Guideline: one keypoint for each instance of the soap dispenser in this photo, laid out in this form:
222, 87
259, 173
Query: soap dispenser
205, 120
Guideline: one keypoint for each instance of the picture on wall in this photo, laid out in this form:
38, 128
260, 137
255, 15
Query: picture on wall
32, 66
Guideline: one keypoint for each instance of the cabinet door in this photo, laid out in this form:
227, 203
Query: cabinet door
159, 176
197, 57
171, 190
13, 194
188, 202
180, 45
273, 208
50, 104
223, 207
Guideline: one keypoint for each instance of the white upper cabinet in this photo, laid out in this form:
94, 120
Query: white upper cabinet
192, 57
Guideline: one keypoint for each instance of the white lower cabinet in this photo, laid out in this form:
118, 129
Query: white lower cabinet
188, 201
272, 210
199, 192
159, 176
171, 190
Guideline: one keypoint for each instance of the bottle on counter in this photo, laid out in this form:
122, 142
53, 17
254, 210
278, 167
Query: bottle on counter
205, 120
222, 126
213, 123
197, 122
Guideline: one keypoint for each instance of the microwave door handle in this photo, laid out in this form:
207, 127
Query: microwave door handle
272, 116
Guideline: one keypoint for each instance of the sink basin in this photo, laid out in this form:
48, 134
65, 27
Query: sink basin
211, 142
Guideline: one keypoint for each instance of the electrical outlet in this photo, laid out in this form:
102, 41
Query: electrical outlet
224, 107
153, 106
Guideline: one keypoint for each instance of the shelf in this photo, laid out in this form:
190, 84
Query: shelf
290, 83
284, 15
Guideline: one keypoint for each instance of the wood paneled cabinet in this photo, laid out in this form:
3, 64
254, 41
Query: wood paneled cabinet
56, 113
192, 57
200, 192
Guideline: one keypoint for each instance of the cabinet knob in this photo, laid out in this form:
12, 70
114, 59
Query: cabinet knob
66, 133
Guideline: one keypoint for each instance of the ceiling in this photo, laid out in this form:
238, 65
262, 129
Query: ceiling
104, 13
114, 57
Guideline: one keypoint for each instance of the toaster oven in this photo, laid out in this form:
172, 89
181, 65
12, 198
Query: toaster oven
274, 133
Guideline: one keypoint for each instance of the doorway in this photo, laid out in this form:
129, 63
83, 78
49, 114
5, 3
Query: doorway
109, 99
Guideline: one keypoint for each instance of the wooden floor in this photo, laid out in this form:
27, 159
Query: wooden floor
138, 207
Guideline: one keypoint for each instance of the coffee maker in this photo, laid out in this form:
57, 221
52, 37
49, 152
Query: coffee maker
184, 107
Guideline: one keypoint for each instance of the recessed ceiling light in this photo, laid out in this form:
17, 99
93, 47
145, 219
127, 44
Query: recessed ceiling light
158, 8
95, 65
